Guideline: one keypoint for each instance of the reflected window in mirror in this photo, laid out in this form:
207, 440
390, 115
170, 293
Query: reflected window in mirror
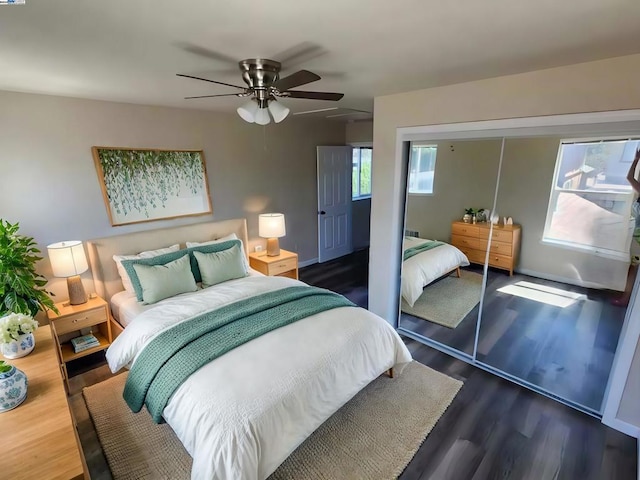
361, 173
422, 167
591, 199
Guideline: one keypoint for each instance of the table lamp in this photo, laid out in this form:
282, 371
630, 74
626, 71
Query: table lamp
271, 226
68, 260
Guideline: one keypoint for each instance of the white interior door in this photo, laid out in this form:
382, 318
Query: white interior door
335, 165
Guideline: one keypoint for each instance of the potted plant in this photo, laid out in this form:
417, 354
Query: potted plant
21, 287
13, 386
16, 335
469, 214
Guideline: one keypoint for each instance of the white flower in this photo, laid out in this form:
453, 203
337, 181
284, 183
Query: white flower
14, 325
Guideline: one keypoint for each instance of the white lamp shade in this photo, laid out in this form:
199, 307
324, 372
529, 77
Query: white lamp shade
271, 225
67, 258
262, 116
248, 111
278, 111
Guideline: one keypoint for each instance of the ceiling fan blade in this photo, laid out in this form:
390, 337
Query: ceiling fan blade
302, 52
319, 110
207, 80
314, 95
205, 52
301, 77
211, 96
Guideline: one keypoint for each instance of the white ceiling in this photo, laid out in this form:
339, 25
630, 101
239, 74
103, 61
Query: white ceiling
130, 51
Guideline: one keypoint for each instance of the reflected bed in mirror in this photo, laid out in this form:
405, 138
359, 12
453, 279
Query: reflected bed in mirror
441, 288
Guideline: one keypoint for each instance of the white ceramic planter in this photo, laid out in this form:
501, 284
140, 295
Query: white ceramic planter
13, 389
20, 347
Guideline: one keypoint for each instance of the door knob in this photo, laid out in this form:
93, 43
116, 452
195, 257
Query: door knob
322, 212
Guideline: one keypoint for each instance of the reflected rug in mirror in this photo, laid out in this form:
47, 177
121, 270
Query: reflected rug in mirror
366, 438
447, 301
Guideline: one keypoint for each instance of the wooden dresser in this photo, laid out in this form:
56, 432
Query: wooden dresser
472, 240
39, 438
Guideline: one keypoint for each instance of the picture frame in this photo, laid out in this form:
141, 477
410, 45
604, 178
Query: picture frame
145, 185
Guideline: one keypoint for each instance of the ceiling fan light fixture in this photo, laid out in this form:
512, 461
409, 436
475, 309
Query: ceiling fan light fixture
262, 116
278, 111
248, 111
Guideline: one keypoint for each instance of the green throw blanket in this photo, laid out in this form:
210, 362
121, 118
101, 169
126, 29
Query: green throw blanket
171, 357
410, 252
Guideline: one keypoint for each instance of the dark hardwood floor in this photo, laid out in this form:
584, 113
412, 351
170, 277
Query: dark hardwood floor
568, 351
493, 429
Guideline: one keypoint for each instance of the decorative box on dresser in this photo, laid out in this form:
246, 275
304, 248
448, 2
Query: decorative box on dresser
93, 315
283, 265
472, 240
39, 437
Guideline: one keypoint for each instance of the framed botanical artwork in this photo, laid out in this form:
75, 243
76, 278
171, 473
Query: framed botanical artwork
143, 185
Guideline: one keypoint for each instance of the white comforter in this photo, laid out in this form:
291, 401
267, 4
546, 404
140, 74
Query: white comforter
241, 415
423, 268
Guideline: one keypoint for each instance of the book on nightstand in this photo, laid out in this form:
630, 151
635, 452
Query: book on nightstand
84, 342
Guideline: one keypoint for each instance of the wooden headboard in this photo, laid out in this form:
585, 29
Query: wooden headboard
101, 250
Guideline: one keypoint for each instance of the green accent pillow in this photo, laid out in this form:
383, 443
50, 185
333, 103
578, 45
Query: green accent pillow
170, 257
163, 281
218, 267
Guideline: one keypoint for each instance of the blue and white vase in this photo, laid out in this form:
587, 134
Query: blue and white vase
20, 347
13, 389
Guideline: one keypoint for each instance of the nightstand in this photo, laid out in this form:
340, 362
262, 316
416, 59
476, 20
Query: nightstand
283, 265
93, 315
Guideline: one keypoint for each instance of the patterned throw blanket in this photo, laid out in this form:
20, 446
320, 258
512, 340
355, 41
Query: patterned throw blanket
410, 252
171, 357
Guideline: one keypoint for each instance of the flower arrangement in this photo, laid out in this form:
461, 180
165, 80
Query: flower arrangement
14, 325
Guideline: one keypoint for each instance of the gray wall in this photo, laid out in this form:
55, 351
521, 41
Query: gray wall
48, 180
465, 177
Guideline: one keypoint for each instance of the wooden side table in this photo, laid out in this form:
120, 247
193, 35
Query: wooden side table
92, 315
283, 265
39, 437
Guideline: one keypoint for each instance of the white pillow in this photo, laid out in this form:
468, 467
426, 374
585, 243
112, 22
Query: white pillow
124, 276
226, 238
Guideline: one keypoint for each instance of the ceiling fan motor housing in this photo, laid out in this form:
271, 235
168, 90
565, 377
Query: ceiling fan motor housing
259, 74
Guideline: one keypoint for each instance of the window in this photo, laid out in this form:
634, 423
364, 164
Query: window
590, 204
361, 174
422, 166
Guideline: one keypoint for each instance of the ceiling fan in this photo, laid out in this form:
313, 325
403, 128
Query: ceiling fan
264, 87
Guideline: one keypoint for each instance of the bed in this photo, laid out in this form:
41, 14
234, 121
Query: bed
240, 415
421, 269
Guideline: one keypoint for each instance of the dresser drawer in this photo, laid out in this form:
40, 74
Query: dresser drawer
464, 229
501, 248
500, 261
282, 266
498, 235
474, 256
77, 321
461, 242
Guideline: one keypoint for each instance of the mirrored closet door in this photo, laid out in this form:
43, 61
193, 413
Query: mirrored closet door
543, 298
444, 248
556, 322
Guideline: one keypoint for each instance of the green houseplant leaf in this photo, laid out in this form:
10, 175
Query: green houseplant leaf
21, 287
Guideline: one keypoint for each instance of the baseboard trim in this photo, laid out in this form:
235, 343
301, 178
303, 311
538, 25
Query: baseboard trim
306, 263
558, 278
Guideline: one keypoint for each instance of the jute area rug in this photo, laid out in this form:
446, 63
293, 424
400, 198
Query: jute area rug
449, 300
374, 436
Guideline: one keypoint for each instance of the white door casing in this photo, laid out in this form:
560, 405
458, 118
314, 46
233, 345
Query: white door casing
334, 166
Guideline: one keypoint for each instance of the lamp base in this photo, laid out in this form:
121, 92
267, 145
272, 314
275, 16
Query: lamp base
77, 295
273, 247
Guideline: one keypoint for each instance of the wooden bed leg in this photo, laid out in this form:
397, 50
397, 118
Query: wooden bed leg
458, 272
390, 372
